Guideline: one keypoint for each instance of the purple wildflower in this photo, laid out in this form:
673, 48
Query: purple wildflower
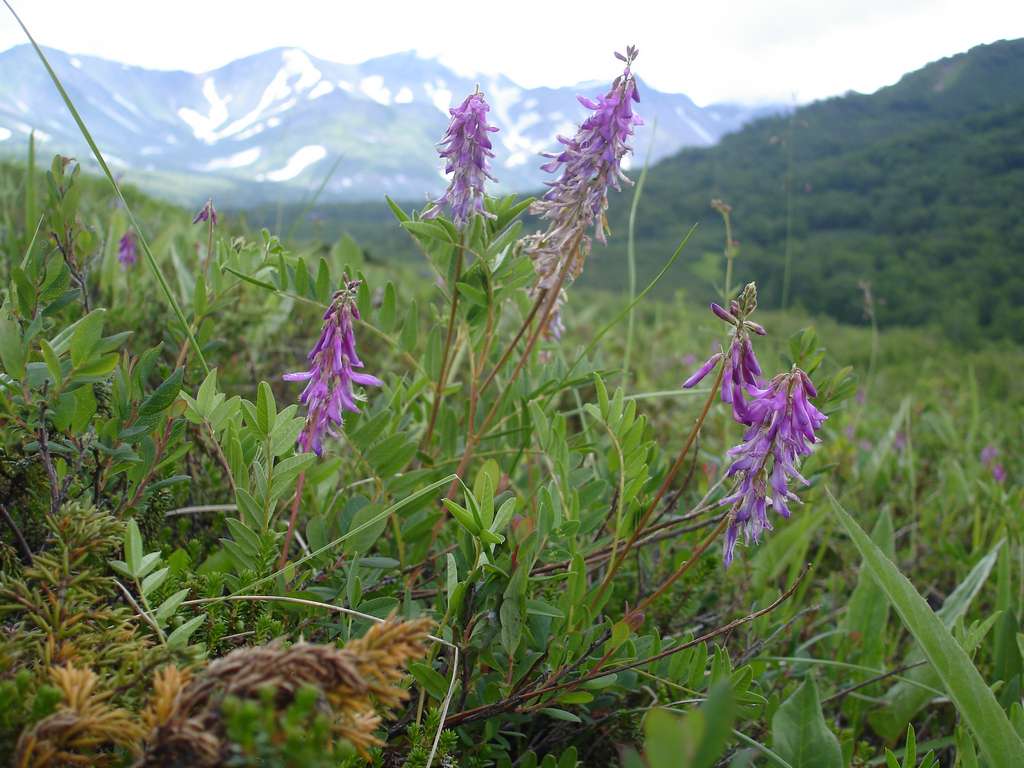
206, 213
331, 376
999, 473
989, 454
467, 152
126, 251
742, 372
783, 425
590, 163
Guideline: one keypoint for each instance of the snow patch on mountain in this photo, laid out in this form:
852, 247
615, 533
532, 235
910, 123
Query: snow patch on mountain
204, 126
5, 133
298, 64
404, 95
373, 86
297, 163
321, 89
127, 104
76, 62
237, 160
699, 129
439, 95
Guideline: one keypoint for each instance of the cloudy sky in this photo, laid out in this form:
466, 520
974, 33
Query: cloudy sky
742, 50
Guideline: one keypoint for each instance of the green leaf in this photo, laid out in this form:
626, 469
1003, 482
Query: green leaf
266, 409
799, 732
431, 680
905, 699
974, 700
12, 350
463, 516
133, 547
162, 397
561, 714
87, 335
170, 605
154, 581
52, 363
179, 637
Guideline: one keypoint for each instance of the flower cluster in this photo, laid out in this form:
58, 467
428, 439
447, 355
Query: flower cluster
742, 372
782, 429
127, 253
466, 150
780, 419
331, 375
206, 213
989, 457
590, 163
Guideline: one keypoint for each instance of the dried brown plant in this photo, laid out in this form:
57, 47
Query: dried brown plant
85, 729
187, 718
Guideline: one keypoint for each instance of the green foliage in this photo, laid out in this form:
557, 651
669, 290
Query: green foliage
975, 701
527, 497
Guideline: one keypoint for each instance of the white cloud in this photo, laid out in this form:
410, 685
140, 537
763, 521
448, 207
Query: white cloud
731, 50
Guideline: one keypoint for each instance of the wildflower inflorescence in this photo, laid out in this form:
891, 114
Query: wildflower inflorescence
206, 213
331, 375
590, 163
782, 429
781, 425
467, 149
127, 253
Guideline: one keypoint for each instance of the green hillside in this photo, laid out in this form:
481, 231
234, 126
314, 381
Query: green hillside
906, 188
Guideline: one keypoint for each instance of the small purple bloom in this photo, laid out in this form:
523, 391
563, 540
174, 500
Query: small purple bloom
703, 371
206, 213
126, 250
999, 473
590, 163
331, 375
742, 371
467, 148
783, 423
989, 454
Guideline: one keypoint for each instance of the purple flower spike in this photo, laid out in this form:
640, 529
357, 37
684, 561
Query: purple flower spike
783, 423
206, 213
328, 393
127, 253
590, 163
999, 473
466, 150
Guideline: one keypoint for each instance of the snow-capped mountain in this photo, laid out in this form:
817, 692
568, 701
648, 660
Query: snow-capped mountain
273, 125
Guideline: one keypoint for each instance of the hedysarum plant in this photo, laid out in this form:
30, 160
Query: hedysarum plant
590, 163
331, 374
467, 149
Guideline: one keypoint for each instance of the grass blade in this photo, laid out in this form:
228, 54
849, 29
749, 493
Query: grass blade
974, 700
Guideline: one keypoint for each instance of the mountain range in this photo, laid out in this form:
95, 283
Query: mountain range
273, 126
